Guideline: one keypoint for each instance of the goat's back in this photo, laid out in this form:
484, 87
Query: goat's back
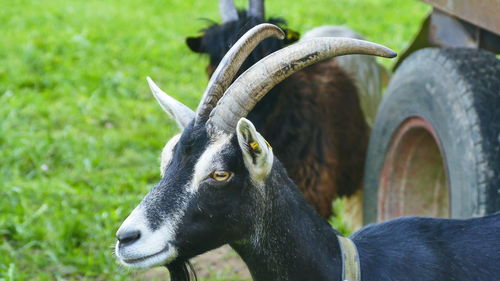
431, 249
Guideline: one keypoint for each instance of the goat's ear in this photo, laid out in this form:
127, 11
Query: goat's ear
181, 113
194, 43
257, 153
167, 152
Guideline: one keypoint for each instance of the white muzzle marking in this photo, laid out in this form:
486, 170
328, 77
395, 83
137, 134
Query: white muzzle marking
153, 248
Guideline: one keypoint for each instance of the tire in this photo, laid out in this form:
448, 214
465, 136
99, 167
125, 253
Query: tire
435, 145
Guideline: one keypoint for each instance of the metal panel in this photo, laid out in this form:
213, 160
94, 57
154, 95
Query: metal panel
448, 31
483, 13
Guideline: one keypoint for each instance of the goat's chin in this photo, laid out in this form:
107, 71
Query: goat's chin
138, 260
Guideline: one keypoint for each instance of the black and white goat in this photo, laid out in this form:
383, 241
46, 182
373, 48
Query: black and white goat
318, 107
222, 184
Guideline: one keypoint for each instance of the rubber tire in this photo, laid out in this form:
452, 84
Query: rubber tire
458, 92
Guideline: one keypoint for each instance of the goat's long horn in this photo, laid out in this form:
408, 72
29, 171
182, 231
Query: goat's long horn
230, 64
228, 11
254, 83
256, 8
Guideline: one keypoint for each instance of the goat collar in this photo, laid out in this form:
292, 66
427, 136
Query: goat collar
351, 269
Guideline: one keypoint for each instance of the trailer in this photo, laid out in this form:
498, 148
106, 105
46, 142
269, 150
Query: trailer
435, 144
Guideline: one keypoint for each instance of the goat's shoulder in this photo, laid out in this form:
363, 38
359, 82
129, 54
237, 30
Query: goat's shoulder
405, 229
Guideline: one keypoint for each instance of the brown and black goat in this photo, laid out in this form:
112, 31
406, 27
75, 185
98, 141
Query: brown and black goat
314, 117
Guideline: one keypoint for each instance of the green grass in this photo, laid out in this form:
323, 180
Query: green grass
80, 134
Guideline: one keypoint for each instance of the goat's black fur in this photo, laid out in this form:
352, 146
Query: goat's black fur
181, 271
299, 245
415, 248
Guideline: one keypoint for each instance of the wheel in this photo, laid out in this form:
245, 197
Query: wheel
434, 149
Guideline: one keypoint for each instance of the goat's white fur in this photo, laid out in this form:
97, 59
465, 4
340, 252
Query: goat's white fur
211, 160
152, 244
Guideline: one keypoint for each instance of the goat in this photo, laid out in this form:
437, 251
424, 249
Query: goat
318, 105
224, 185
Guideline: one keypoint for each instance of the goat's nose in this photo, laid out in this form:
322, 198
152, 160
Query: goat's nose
128, 237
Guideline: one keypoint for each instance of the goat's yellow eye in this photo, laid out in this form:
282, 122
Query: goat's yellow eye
220, 175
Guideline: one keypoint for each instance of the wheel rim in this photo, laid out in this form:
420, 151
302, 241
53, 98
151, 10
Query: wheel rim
413, 179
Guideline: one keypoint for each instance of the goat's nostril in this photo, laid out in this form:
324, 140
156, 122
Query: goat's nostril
128, 237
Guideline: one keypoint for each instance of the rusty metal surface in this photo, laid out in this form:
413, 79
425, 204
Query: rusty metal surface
413, 180
483, 13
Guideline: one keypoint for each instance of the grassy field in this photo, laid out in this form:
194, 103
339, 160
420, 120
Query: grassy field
80, 134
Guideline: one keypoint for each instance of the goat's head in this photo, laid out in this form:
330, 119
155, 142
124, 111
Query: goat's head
216, 171
216, 39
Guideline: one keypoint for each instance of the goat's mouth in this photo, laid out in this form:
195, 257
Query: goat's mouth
163, 257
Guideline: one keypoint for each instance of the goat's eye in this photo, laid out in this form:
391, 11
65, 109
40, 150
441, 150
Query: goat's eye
220, 175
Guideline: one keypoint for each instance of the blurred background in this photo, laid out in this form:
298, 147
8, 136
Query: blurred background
80, 134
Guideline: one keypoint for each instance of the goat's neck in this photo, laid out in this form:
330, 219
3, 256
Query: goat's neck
293, 244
